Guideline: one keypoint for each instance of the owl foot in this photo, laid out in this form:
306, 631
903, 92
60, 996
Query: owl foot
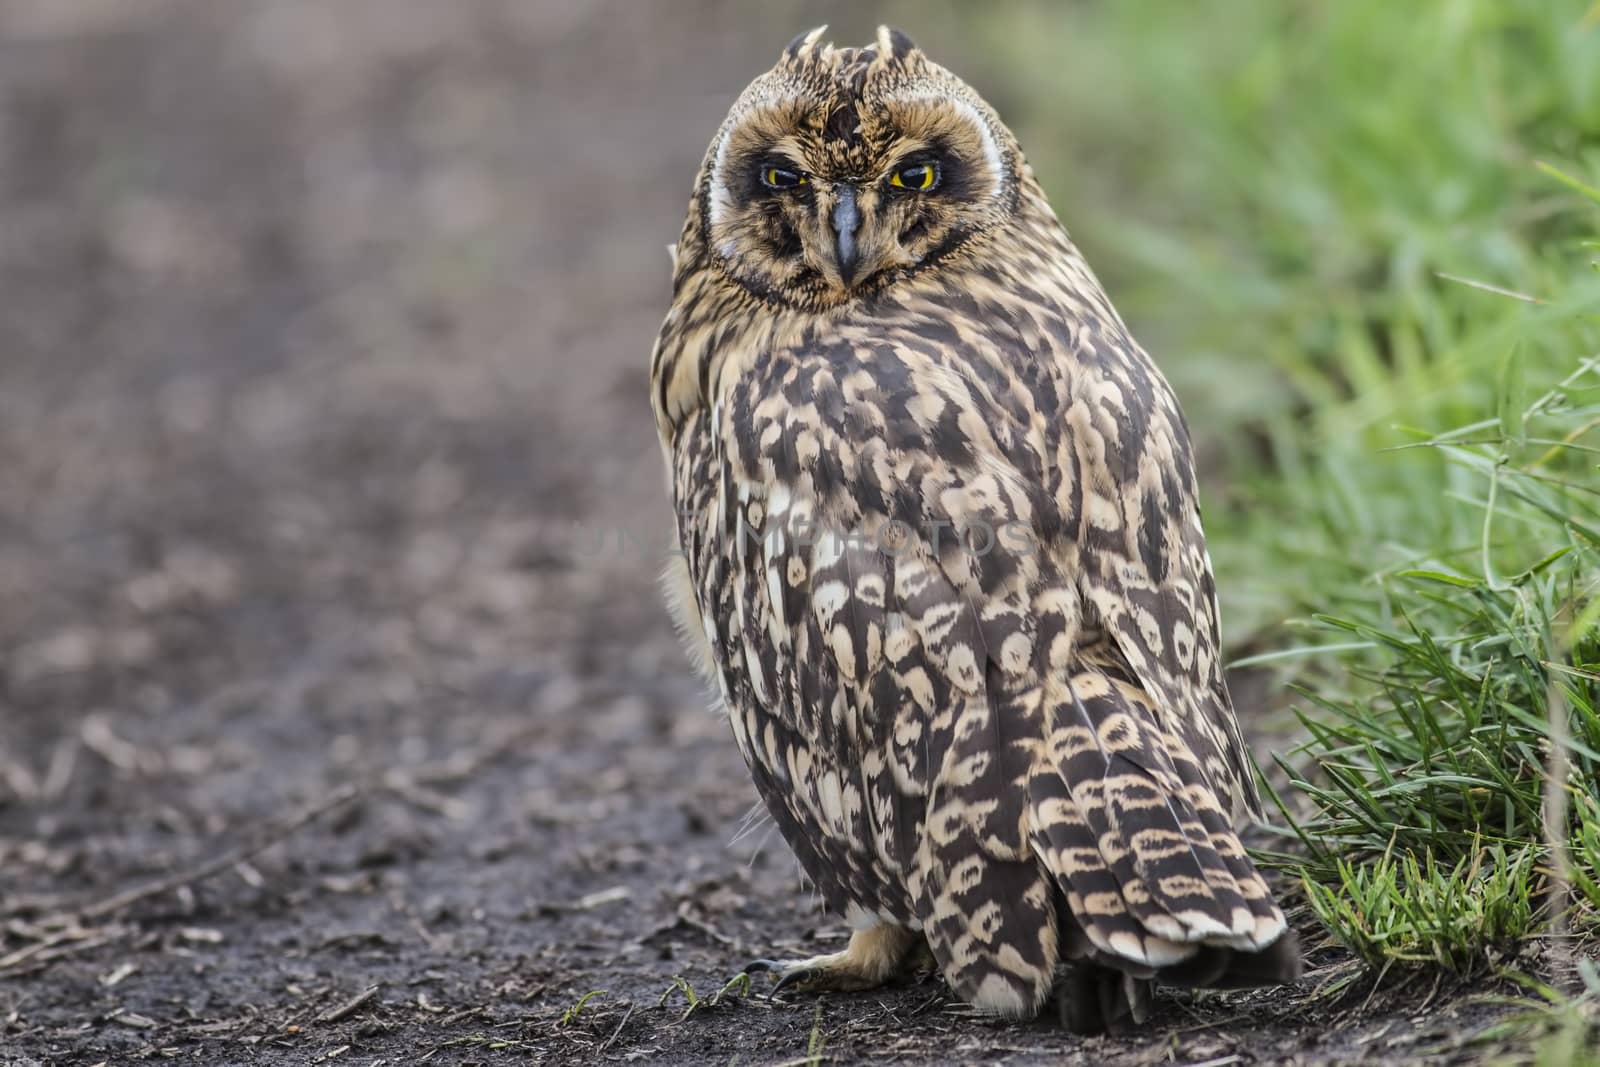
873, 956
1102, 1000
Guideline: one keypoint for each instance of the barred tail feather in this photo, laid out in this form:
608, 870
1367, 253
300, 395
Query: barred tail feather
1155, 879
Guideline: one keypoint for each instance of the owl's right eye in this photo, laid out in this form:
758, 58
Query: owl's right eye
779, 178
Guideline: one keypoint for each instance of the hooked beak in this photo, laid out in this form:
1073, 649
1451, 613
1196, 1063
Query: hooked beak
846, 220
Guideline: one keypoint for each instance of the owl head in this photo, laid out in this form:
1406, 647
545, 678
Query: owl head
843, 170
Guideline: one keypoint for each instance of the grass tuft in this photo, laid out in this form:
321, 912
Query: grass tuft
571, 1013
1420, 795
1467, 920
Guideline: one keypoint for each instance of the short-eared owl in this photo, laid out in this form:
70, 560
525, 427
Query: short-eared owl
941, 552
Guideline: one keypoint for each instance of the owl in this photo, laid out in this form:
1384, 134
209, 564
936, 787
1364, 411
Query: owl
941, 554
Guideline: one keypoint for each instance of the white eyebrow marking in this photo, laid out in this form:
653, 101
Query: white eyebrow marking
991, 150
721, 196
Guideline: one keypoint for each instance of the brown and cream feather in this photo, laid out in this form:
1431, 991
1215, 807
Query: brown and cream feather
941, 547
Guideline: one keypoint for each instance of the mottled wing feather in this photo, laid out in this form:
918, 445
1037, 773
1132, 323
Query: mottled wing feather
1145, 569
986, 905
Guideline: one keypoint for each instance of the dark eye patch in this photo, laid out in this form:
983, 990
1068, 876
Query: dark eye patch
748, 170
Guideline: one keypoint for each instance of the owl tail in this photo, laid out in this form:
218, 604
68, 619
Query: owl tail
1154, 883
1096, 997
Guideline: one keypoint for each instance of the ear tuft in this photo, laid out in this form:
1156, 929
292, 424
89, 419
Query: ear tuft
894, 44
800, 48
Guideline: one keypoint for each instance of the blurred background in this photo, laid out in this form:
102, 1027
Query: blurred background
326, 453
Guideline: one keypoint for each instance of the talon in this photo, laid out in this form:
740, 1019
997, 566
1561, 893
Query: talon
874, 956
794, 977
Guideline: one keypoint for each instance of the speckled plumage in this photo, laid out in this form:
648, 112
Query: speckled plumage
942, 555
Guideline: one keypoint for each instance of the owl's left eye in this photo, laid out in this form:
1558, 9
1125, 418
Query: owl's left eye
779, 178
918, 176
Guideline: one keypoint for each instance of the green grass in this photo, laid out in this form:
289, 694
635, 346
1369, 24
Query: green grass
817, 1042
1361, 237
1559, 1028
1464, 919
735, 988
1421, 798
572, 1013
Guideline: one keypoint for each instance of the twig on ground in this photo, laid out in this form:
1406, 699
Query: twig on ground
64, 929
612, 1039
270, 835
351, 1006
461, 765
406, 788
54, 946
587, 902
686, 918
465, 1013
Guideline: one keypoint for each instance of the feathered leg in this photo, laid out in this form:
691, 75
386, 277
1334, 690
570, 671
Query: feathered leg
874, 956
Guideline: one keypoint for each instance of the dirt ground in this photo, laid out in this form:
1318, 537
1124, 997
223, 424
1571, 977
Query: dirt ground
339, 718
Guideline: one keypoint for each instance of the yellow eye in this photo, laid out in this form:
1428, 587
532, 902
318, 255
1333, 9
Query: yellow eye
778, 178
918, 176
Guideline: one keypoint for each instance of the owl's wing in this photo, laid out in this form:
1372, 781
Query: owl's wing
915, 704
1145, 568
1149, 712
